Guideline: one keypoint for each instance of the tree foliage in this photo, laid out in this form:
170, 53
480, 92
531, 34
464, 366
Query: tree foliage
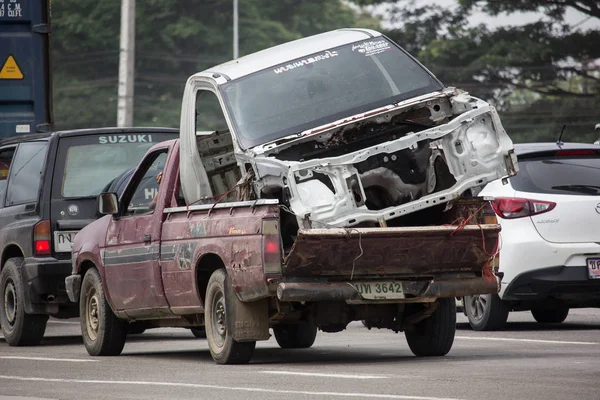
548, 59
174, 39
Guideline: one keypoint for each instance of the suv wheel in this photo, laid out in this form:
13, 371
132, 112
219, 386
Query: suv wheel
434, 336
554, 315
103, 333
295, 336
19, 328
486, 312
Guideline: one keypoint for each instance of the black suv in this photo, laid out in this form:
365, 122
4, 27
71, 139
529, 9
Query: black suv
48, 188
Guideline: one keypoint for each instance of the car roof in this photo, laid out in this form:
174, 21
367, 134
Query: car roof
86, 131
531, 149
289, 51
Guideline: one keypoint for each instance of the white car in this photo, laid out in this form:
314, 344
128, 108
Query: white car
550, 240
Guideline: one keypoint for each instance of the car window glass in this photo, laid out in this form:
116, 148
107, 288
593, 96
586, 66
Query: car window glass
86, 164
564, 175
6, 156
209, 115
26, 172
144, 196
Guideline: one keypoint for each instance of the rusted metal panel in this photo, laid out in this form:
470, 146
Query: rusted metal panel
233, 234
391, 252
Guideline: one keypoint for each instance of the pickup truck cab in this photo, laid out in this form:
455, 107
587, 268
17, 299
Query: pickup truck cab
48, 188
223, 265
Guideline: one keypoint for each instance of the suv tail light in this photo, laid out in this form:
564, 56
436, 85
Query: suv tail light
41, 239
271, 249
510, 208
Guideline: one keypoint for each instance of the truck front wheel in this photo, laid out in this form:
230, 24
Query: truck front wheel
220, 325
295, 336
103, 333
434, 336
19, 328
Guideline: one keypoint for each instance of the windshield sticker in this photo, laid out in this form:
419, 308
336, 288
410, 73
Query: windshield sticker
306, 61
112, 139
372, 47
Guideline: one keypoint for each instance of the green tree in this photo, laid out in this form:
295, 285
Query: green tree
548, 59
174, 39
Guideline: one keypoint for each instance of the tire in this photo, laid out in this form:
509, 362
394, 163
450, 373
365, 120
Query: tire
200, 333
295, 336
486, 312
103, 333
434, 336
554, 315
220, 324
18, 327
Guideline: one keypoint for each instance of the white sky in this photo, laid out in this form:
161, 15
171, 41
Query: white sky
572, 17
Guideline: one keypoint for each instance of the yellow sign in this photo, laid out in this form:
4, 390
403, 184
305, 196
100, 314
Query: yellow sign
11, 70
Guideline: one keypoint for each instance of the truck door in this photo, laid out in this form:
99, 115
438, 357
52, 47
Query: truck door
133, 242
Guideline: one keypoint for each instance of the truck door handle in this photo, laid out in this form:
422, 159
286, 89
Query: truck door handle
147, 238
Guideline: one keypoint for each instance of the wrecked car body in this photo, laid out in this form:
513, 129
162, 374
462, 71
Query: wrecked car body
327, 180
412, 145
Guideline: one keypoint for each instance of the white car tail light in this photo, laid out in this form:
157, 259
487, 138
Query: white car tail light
510, 208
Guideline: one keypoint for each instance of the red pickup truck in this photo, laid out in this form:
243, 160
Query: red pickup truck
223, 266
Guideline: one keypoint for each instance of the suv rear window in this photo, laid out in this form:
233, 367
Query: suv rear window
86, 164
560, 175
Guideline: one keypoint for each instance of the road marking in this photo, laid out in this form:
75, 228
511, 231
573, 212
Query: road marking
524, 340
64, 322
343, 376
231, 388
47, 359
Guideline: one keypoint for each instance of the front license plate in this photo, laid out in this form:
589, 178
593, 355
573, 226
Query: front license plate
379, 290
63, 241
593, 266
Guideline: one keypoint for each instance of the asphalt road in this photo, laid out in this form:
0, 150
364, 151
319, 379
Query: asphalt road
525, 361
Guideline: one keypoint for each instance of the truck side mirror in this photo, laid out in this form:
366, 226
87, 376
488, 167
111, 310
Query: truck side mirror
108, 204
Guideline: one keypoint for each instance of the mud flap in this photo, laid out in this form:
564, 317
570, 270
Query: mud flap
250, 320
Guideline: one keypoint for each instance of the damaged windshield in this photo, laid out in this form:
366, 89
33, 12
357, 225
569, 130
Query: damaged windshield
323, 87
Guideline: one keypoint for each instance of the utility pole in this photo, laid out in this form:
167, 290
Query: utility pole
126, 64
235, 30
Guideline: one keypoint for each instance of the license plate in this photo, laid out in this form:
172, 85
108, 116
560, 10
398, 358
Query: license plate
379, 290
63, 241
593, 266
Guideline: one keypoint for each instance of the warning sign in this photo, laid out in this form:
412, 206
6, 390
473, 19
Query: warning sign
10, 69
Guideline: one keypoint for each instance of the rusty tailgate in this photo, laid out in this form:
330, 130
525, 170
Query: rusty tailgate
403, 252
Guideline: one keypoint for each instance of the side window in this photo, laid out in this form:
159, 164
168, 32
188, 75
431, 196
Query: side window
143, 200
26, 172
209, 115
6, 156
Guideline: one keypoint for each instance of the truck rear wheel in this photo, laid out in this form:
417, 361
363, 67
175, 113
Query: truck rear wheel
486, 312
295, 336
103, 333
220, 325
434, 336
18, 327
